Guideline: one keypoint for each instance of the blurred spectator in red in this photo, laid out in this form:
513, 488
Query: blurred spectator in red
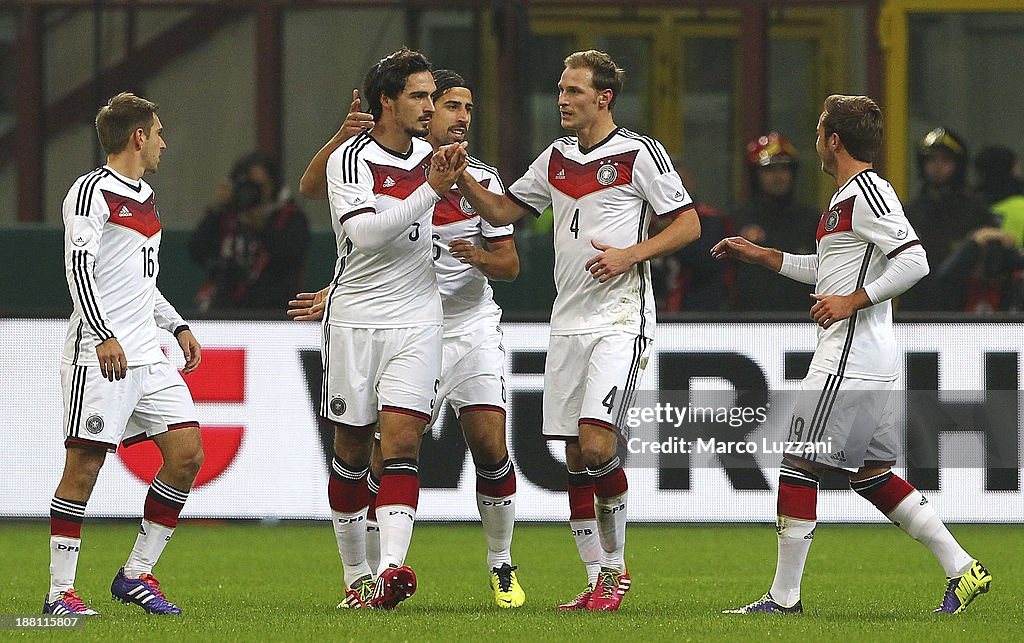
984, 274
691, 280
253, 242
773, 217
943, 214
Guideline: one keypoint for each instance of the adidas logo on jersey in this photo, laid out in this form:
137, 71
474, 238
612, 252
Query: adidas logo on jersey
560, 175
839, 457
124, 211
389, 182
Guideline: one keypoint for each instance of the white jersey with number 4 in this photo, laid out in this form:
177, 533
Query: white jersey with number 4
394, 287
608, 194
864, 227
465, 291
112, 237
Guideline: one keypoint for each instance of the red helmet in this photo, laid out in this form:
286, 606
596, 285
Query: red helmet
770, 149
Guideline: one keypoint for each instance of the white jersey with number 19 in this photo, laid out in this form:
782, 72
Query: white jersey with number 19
863, 228
606, 194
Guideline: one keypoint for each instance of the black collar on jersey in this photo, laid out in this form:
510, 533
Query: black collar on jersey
588, 150
113, 173
404, 157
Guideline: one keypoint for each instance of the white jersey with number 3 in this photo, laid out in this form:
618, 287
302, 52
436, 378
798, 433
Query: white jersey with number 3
863, 228
112, 238
605, 194
394, 287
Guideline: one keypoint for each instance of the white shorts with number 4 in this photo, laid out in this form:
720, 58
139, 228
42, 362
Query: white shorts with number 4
591, 378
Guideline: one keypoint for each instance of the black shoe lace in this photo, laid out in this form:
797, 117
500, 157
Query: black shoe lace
504, 574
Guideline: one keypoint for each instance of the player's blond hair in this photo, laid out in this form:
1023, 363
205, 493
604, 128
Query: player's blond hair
858, 122
120, 118
605, 73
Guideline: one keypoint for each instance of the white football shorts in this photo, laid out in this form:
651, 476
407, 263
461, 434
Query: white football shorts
369, 370
473, 370
591, 378
844, 422
150, 400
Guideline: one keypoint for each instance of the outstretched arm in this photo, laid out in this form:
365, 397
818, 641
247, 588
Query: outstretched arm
371, 231
313, 183
496, 209
748, 252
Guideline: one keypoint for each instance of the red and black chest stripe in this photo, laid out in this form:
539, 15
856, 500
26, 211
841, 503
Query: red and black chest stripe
837, 219
576, 180
396, 182
129, 213
453, 207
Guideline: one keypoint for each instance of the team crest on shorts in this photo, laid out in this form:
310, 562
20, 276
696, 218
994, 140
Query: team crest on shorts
466, 207
832, 221
606, 174
338, 406
94, 424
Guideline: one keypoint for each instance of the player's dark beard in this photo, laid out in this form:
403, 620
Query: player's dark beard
419, 131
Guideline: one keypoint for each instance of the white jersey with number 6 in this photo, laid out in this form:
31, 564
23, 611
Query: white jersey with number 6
465, 291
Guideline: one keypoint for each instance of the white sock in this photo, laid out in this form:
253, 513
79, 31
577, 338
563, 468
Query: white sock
149, 544
588, 543
795, 538
916, 517
611, 525
498, 518
63, 564
373, 544
395, 523
350, 532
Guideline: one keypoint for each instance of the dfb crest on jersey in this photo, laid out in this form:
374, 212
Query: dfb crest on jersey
832, 221
465, 206
338, 406
94, 424
606, 174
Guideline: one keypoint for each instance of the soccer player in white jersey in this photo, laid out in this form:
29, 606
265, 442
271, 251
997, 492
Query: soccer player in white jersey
605, 183
118, 386
382, 320
867, 253
467, 253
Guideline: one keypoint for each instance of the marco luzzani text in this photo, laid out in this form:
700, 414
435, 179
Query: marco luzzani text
734, 416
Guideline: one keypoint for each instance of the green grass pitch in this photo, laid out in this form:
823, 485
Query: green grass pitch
246, 582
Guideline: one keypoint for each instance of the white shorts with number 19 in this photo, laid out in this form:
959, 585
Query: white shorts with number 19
591, 378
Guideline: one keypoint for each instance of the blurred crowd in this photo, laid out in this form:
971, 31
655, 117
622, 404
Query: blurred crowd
253, 241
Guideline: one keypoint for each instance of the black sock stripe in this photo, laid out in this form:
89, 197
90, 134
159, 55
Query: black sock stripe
403, 466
